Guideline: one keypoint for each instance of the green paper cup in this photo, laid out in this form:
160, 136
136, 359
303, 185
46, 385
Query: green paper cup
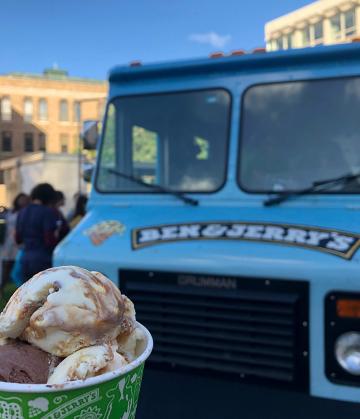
110, 395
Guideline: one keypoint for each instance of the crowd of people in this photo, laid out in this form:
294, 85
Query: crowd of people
33, 227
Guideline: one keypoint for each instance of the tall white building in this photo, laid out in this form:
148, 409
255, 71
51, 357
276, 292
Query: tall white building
323, 22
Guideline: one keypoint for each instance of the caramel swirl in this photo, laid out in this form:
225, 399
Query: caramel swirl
62, 310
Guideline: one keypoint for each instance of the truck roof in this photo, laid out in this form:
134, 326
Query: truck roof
238, 63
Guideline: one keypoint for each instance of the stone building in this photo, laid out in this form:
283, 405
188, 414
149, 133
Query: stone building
40, 121
323, 22
45, 112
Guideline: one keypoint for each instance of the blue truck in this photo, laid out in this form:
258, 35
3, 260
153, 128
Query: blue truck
225, 204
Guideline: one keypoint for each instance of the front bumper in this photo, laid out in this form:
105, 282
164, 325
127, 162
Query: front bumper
179, 395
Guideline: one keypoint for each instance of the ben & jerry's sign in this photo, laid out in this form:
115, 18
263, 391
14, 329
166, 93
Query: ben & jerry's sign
339, 243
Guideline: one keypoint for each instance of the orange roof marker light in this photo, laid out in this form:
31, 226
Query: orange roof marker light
218, 54
135, 63
238, 52
258, 50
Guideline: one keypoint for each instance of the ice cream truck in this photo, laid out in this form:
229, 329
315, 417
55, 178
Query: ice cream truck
226, 205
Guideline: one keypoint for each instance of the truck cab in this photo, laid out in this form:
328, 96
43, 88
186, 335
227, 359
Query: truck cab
225, 204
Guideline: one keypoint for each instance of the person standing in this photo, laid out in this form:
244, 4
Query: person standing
10, 248
80, 211
36, 229
3, 213
62, 224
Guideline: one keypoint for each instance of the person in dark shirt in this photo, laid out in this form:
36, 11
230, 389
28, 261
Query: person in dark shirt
62, 224
36, 230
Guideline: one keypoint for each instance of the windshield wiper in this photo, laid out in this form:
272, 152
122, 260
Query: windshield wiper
315, 187
139, 181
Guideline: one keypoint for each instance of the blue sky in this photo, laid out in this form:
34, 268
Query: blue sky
87, 37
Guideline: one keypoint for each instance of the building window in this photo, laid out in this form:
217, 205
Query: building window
6, 108
318, 33
6, 141
306, 36
64, 143
43, 110
288, 40
64, 110
2, 177
77, 111
279, 44
343, 25
42, 142
28, 110
349, 22
313, 34
29, 142
335, 27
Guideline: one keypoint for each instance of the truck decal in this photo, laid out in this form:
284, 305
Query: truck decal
339, 243
101, 231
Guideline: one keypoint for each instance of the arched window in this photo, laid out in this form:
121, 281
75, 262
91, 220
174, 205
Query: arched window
28, 110
77, 111
6, 108
43, 110
64, 110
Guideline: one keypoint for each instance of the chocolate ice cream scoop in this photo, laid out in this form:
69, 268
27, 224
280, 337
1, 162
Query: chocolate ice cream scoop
24, 363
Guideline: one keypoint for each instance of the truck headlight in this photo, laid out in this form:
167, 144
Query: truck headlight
342, 337
347, 352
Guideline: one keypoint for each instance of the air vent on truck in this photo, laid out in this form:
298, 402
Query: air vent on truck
253, 329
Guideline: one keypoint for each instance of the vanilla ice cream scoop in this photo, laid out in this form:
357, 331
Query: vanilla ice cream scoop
130, 345
64, 309
86, 363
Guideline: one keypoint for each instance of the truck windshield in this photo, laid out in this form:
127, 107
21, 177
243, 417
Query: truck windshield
296, 133
176, 140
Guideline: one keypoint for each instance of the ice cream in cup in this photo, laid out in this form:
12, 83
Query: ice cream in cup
70, 348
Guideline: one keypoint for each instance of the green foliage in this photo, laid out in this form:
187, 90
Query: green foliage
144, 145
8, 290
203, 145
109, 146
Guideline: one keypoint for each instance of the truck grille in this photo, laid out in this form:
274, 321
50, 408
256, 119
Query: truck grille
253, 329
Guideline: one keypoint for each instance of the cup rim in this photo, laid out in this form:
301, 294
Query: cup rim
74, 385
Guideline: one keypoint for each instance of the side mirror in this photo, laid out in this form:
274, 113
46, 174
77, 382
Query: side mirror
90, 134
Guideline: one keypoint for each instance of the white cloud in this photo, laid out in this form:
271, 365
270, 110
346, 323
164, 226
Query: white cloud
211, 38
